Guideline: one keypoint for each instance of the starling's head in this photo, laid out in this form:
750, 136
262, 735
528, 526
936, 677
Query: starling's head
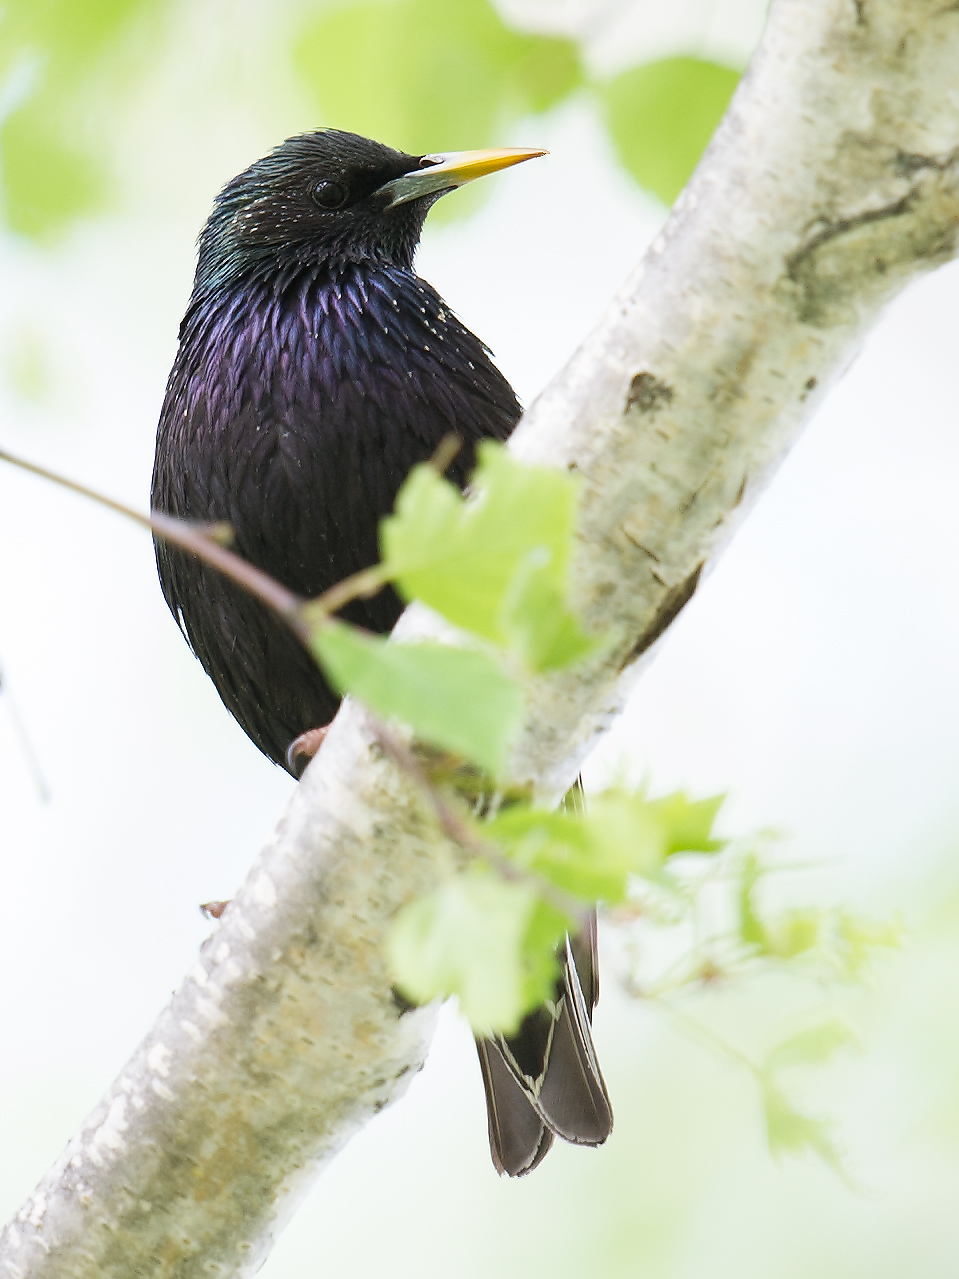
329, 195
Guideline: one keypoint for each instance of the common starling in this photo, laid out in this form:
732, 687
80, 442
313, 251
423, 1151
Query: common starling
314, 370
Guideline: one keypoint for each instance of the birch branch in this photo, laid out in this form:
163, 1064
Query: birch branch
833, 181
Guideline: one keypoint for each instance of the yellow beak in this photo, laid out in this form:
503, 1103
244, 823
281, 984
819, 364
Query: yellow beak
441, 173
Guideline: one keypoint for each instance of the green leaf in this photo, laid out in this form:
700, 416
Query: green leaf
457, 699
547, 927
687, 823
562, 850
856, 938
431, 75
791, 1132
46, 181
51, 155
811, 1046
495, 563
537, 625
662, 115
793, 933
470, 937
590, 855
751, 928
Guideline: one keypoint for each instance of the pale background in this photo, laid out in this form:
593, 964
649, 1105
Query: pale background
814, 677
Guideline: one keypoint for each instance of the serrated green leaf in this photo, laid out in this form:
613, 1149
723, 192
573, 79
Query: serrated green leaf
537, 625
46, 182
808, 1047
630, 824
794, 933
458, 699
590, 855
471, 937
51, 163
495, 563
687, 823
430, 75
662, 115
545, 930
857, 938
751, 928
791, 1132
564, 851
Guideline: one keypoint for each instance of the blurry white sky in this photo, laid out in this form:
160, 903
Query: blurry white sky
814, 677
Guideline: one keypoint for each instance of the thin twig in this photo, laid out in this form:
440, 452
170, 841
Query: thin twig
26, 745
368, 581
200, 540
296, 612
361, 585
702, 1035
446, 452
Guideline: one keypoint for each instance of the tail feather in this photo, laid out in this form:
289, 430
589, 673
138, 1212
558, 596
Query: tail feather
546, 1080
518, 1136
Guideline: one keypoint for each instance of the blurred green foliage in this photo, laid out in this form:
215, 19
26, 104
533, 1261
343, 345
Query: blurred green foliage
440, 943
430, 75
662, 115
52, 158
424, 75
27, 363
790, 1130
467, 938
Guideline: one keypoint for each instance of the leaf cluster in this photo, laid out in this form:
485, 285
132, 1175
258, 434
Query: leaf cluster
712, 919
494, 564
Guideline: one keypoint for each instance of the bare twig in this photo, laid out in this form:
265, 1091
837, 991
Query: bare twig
361, 585
26, 746
202, 540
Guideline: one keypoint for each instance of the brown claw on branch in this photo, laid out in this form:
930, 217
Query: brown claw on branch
213, 910
302, 749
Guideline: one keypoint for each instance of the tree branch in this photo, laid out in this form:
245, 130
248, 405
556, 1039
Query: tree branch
833, 181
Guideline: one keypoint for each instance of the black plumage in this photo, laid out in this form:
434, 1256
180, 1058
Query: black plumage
315, 368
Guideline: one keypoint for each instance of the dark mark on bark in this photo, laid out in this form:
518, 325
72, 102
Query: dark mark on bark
688, 503
647, 393
841, 227
910, 162
402, 1003
842, 260
645, 549
860, 12
808, 387
673, 604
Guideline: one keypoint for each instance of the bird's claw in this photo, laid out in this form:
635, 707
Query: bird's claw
302, 749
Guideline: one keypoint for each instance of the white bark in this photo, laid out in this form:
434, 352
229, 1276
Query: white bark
833, 181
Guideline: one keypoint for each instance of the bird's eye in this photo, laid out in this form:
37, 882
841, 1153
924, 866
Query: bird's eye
329, 195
